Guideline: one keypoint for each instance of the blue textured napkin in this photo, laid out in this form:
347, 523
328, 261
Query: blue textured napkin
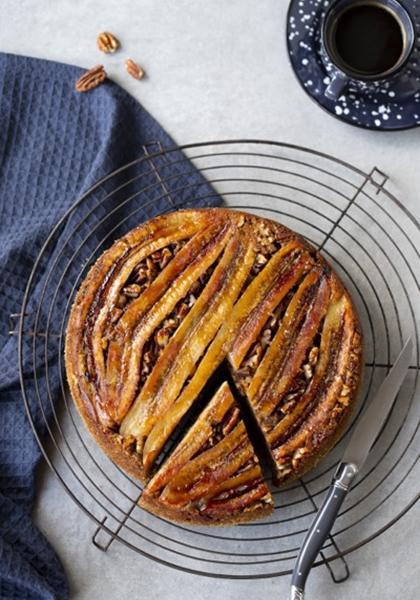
54, 144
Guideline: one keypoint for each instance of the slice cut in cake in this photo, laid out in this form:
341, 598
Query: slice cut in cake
213, 476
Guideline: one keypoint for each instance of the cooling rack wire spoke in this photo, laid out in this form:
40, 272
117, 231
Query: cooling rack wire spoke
149, 149
361, 228
371, 178
105, 532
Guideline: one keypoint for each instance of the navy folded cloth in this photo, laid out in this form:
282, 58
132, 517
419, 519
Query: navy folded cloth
54, 144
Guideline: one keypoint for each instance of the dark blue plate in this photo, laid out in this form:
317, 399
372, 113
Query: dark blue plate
393, 106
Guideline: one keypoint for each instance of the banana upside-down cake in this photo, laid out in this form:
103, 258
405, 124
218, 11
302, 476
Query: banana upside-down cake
193, 321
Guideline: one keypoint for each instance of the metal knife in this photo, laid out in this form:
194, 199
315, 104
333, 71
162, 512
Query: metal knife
361, 441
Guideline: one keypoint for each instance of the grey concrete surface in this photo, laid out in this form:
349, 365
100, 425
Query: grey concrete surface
216, 69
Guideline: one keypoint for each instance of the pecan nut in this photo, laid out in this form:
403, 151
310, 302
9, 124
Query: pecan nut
182, 311
134, 69
91, 79
298, 455
141, 273
162, 336
121, 301
107, 42
260, 259
151, 269
133, 290
166, 257
313, 356
255, 357
307, 370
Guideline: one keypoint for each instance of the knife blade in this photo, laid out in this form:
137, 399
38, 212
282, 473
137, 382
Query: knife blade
375, 415
355, 455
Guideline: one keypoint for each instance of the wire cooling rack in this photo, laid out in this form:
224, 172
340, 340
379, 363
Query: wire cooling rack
372, 241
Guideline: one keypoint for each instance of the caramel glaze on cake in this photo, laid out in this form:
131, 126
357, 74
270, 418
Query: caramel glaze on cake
214, 475
170, 303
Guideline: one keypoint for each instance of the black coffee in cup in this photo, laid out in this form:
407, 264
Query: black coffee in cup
366, 39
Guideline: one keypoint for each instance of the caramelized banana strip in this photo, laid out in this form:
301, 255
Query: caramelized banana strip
124, 354
196, 437
265, 293
283, 378
114, 291
88, 301
206, 472
83, 313
240, 486
337, 334
188, 343
245, 478
76, 351
319, 381
238, 503
286, 335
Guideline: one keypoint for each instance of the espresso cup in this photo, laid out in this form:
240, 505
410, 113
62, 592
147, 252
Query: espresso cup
365, 43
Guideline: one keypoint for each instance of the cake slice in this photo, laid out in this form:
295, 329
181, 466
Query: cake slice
213, 476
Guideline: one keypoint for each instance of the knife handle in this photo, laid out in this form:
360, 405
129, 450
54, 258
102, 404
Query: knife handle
321, 527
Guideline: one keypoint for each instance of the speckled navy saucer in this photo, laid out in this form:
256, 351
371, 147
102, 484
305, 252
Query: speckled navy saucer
395, 105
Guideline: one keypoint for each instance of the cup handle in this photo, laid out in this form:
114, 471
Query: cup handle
336, 86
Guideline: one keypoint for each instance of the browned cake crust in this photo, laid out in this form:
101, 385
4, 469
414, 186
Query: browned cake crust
193, 517
168, 303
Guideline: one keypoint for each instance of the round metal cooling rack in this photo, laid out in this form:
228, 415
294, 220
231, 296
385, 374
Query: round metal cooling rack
371, 240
